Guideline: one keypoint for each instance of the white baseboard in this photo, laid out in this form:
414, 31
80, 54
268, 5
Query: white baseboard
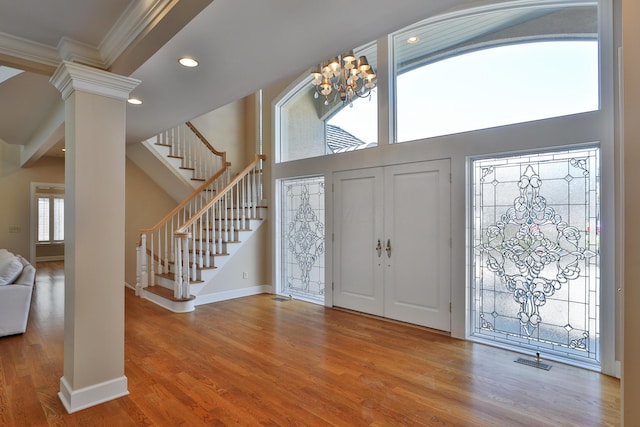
76, 400
236, 293
50, 258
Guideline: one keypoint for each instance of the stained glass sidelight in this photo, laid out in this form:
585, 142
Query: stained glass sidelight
303, 237
536, 250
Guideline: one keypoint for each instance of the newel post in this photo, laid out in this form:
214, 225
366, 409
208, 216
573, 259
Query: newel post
142, 275
181, 283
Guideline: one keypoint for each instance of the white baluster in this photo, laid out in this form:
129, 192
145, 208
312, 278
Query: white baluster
143, 278
226, 216
207, 258
189, 147
159, 233
200, 238
243, 220
165, 268
219, 225
178, 278
152, 276
232, 235
194, 264
172, 241
254, 194
260, 195
175, 150
138, 271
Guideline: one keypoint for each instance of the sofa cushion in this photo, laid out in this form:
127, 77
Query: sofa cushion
10, 268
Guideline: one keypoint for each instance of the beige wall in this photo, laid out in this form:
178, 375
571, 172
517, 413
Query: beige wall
50, 252
251, 259
631, 293
146, 203
251, 127
225, 130
15, 190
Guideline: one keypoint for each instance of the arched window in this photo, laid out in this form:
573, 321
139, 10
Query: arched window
505, 67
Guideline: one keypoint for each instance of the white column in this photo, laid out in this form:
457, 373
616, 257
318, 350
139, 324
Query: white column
630, 391
95, 113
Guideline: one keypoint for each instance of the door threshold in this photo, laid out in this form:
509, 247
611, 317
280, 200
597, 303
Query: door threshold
397, 322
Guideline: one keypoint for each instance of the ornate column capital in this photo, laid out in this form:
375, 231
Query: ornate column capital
70, 77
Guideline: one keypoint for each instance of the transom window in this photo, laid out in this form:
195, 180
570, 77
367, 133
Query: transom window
510, 66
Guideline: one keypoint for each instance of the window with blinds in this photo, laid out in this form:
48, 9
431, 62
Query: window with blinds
50, 219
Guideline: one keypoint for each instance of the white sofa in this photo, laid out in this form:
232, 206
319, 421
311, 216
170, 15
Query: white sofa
17, 278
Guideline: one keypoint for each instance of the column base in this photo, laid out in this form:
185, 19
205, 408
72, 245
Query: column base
76, 400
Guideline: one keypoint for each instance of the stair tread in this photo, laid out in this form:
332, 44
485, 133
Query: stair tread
166, 293
172, 276
235, 218
227, 229
203, 252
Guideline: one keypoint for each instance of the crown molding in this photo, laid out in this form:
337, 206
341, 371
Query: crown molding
70, 77
82, 53
136, 20
28, 51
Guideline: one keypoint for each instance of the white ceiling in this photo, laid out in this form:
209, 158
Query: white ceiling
242, 46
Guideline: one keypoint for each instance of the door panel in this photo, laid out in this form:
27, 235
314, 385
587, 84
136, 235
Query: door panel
417, 275
357, 227
406, 207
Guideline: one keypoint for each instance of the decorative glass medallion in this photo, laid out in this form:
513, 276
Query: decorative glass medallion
536, 252
303, 237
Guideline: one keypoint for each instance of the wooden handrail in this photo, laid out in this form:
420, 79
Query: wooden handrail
233, 182
201, 137
193, 195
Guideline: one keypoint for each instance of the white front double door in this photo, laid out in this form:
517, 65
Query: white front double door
391, 252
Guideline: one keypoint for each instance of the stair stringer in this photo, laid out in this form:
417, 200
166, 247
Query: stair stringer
202, 290
163, 153
165, 174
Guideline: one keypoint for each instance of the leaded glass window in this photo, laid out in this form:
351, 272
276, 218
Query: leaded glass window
536, 244
303, 245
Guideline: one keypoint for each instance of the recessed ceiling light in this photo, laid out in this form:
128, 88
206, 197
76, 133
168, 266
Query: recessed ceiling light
134, 101
187, 61
413, 40
64, 149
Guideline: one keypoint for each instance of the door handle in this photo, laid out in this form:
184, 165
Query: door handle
379, 248
388, 248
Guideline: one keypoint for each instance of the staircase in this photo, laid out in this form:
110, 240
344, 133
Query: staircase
179, 258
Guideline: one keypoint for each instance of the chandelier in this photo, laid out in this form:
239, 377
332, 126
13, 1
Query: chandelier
344, 76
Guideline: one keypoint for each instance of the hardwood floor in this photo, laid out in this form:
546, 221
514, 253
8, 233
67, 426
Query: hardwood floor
257, 361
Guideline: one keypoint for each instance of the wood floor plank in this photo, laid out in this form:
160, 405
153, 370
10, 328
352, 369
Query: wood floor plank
259, 362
